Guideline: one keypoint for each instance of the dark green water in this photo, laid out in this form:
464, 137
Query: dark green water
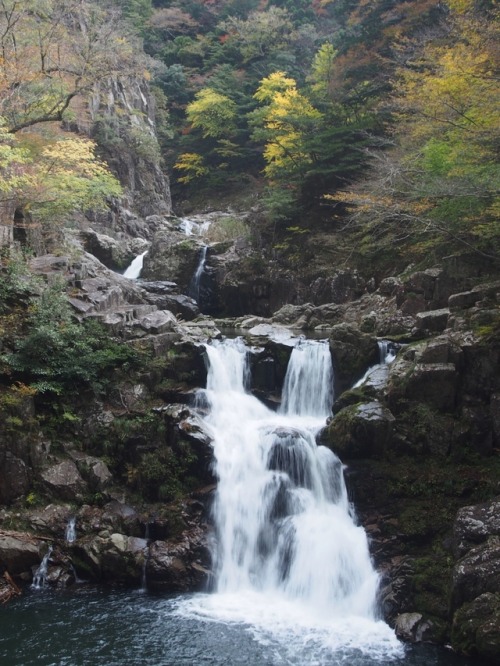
91, 627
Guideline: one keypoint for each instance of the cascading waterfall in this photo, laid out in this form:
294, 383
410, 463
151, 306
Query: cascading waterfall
379, 373
70, 532
40, 577
134, 270
289, 555
194, 289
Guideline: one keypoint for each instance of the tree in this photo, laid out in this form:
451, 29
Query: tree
261, 33
212, 112
437, 186
284, 124
52, 51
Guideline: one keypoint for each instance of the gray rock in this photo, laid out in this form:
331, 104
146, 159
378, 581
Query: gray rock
464, 300
476, 573
359, 431
64, 480
161, 321
474, 525
18, 552
412, 627
433, 320
95, 472
432, 383
390, 286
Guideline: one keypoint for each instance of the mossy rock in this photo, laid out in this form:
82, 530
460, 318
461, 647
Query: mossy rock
476, 627
353, 352
362, 430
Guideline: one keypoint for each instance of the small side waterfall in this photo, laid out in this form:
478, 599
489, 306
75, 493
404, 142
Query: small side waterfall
134, 270
290, 560
378, 374
194, 288
70, 533
40, 577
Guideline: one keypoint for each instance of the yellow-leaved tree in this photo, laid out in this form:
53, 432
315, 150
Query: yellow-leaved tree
53, 53
284, 123
437, 187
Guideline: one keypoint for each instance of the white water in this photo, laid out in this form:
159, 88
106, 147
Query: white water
70, 533
290, 562
380, 371
195, 226
135, 268
194, 289
40, 577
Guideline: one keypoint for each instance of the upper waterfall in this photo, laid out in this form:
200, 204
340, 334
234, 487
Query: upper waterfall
135, 268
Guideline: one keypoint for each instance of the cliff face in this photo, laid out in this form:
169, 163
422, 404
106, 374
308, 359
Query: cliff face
120, 116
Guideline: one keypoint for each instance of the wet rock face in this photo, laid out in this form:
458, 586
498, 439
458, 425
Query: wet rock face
173, 257
14, 477
362, 430
353, 352
181, 566
124, 107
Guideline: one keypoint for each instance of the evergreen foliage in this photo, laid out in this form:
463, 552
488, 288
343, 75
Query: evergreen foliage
59, 354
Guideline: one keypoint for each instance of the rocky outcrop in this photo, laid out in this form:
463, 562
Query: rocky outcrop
18, 552
180, 566
173, 257
63, 480
475, 591
114, 253
362, 430
353, 352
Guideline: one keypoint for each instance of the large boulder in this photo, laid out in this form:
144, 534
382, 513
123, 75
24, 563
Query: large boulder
64, 481
359, 431
172, 257
18, 552
476, 627
353, 352
474, 525
181, 566
477, 572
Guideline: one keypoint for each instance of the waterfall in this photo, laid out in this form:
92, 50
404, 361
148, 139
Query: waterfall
308, 387
40, 577
194, 289
135, 268
387, 352
195, 226
70, 533
289, 555
379, 373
